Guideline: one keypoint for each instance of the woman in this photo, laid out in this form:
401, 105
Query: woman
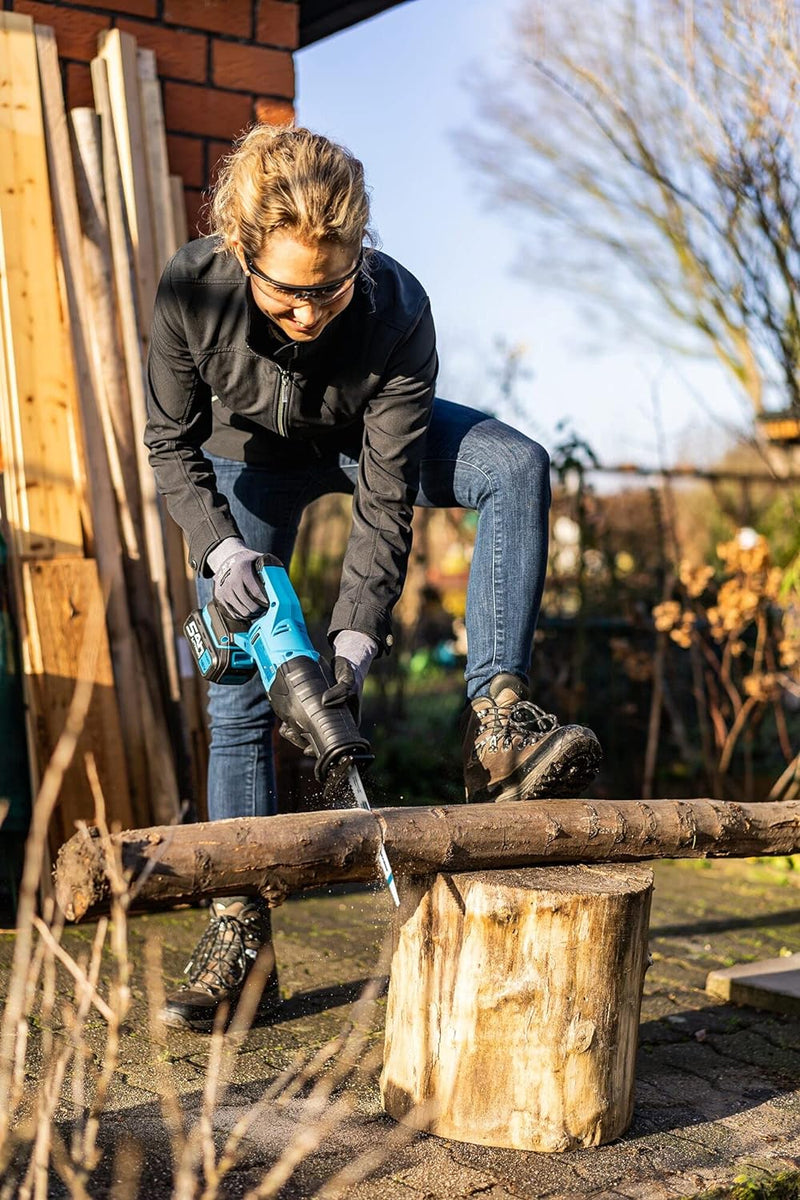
288, 360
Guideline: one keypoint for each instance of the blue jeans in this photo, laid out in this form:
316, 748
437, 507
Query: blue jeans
470, 461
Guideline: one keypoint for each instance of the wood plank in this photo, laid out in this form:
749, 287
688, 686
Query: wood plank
59, 596
178, 209
105, 344
157, 162
39, 433
181, 585
130, 323
101, 446
118, 51
157, 758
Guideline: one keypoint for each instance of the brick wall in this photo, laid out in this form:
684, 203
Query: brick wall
223, 64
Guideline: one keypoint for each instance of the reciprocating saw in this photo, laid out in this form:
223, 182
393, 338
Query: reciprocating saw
295, 677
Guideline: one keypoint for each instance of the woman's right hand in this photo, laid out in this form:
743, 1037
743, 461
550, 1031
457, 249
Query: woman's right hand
237, 587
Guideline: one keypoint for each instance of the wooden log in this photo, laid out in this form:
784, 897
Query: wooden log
292, 852
514, 1003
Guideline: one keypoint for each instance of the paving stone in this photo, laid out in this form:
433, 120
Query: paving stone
443, 1175
772, 983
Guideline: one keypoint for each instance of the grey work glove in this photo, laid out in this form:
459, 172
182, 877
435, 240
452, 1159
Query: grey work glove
353, 655
237, 588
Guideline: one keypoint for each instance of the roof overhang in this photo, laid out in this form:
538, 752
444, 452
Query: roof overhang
320, 18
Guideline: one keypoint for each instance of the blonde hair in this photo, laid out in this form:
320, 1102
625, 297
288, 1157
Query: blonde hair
280, 178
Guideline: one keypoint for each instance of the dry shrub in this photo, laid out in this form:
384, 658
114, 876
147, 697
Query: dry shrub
62, 994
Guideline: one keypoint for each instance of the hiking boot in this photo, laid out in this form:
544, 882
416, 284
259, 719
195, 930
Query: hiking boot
514, 750
238, 938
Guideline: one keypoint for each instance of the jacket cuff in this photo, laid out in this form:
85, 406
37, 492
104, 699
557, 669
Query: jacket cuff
204, 538
375, 622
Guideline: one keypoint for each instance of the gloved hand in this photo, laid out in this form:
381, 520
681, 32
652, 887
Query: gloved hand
237, 588
353, 655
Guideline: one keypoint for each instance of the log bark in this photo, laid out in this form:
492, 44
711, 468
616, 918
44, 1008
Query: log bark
514, 1003
278, 855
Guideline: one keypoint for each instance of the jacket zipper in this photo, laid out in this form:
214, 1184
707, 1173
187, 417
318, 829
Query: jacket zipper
283, 400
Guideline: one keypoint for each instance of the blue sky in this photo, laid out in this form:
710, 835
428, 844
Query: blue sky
395, 89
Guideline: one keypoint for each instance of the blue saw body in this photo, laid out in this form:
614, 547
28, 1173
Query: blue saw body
295, 678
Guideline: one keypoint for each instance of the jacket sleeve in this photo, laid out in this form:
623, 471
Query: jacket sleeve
395, 423
178, 422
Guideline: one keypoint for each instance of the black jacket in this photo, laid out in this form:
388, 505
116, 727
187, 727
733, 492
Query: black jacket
221, 376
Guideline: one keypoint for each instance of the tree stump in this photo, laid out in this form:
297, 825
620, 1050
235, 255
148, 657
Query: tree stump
514, 1003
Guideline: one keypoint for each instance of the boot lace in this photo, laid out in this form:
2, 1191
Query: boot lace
499, 724
223, 956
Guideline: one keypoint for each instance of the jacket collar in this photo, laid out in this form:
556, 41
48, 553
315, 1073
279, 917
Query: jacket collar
267, 339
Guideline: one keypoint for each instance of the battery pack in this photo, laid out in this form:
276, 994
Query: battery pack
210, 636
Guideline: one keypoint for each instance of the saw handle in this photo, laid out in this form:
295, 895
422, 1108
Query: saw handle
296, 698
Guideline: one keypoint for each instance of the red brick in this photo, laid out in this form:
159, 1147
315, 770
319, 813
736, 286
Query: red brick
79, 92
76, 31
192, 109
187, 158
274, 112
139, 8
180, 55
234, 17
195, 201
215, 152
278, 23
252, 69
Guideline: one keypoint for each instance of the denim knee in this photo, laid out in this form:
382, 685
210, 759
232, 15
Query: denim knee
522, 468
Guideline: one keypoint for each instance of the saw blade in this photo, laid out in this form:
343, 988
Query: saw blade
357, 788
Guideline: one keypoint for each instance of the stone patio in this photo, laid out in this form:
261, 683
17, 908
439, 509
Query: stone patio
718, 1086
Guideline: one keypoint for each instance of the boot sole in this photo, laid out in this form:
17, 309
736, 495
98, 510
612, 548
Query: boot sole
564, 771
205, 1024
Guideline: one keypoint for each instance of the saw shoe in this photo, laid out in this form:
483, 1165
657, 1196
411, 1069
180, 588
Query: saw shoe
234, 953
514, 750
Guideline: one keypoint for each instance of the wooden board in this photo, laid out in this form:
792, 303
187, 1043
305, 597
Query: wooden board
178, 209
155, 152
119, 52
105, 345
134, 702
59, 597
38, 428
180, 587
128, 307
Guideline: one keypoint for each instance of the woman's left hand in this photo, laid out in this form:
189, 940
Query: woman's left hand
353, 653
347, 689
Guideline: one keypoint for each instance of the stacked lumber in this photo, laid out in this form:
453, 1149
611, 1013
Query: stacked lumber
89, 215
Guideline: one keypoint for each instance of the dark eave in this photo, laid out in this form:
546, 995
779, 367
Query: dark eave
320, 18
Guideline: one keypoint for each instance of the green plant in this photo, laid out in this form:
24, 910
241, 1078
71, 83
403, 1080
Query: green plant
757, 1185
